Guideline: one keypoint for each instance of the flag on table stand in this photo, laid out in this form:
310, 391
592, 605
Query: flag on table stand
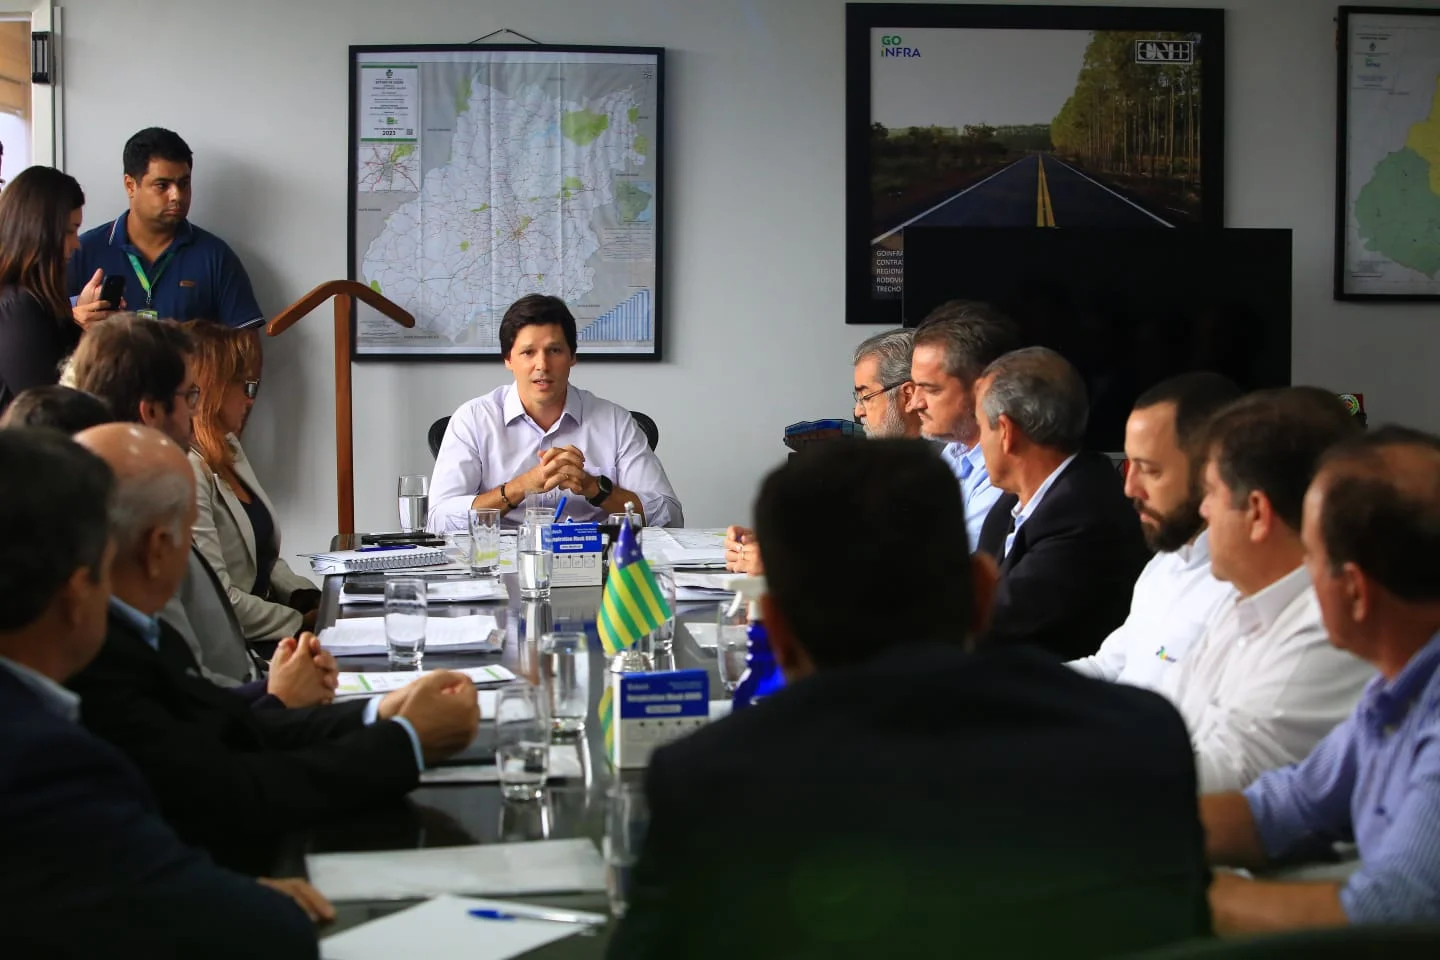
632, 605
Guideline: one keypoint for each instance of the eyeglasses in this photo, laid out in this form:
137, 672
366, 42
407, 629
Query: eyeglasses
867, 397
192, 396
252, 389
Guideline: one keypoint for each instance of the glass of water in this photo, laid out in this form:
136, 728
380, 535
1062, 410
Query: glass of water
484, 557
414, 494
626, 819
731, 643
405, 616
535, 556
662, 639
565, 677
522, 741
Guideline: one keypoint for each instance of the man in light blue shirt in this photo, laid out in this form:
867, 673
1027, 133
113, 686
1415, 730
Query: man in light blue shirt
953, 346
1371, 532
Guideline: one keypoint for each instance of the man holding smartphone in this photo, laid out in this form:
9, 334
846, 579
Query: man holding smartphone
158, 262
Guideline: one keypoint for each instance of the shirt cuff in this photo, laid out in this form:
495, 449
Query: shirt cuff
372, 714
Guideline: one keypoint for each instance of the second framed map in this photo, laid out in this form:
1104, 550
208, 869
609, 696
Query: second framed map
479, 174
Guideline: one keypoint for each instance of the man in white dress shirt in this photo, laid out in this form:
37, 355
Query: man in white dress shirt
953, 346
1176, 594
539, 439
1264, 684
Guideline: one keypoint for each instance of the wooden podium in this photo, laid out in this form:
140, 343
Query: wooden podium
342, 291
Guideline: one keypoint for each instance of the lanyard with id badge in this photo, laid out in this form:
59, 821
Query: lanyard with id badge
148, 283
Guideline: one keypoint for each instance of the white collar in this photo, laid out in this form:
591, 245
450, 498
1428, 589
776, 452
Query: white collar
1023, 514
1258, 612
1196, 554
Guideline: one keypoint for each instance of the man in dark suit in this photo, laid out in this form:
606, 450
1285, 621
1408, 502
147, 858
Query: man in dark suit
1069, 543
91, 869
228, 777
903, 796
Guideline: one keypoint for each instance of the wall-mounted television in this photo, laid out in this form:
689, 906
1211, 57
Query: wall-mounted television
1127, 307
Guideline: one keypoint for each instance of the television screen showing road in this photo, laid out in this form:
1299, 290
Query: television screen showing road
1029, 127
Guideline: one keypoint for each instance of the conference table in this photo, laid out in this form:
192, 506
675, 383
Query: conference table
445, 815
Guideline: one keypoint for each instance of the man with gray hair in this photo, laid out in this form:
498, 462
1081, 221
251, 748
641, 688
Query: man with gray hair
229, 778
883, 393
952, 346
1070, 546
883, 389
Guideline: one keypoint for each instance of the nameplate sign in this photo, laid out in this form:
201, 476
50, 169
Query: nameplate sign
654, 709
577, 555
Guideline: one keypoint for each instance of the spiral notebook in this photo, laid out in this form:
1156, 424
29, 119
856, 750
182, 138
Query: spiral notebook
368, 560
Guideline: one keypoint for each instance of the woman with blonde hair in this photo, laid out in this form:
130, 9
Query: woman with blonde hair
235, 526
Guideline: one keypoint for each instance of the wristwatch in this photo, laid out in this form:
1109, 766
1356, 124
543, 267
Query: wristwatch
603, 494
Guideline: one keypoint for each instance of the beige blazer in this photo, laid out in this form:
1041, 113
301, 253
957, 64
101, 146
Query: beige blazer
226, 539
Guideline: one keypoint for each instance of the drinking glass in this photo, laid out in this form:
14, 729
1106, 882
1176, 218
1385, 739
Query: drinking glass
458, 548
626, 819
731, 643
535, 557
662, 638
414, 494
484, 558
565, 677
405, 615
522, 741
524, 821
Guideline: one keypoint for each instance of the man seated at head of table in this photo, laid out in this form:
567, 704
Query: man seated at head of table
1068, 543
141, 369
542, 438
883, 393
1263, 683
91, 869
229, 778
1176, 593
899, 795
1371, 534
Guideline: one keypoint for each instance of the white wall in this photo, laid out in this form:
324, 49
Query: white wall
754, 219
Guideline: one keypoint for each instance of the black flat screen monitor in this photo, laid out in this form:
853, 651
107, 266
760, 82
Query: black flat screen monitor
1128, 308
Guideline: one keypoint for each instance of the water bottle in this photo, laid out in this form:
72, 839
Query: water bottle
762, 676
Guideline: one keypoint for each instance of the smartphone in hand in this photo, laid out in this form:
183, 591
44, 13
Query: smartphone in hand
113, 290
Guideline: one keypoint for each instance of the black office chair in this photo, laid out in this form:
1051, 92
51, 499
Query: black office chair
437, 434
647, 427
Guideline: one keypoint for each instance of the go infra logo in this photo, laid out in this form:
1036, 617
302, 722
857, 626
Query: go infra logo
893, 45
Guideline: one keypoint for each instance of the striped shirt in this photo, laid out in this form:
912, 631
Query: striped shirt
1375, 780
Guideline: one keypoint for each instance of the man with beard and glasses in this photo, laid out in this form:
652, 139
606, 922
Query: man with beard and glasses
1176, 593
883, 392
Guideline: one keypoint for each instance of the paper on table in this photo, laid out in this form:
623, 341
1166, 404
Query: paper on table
564, 765
443, 591
677, 547
357, 636
444, 927
496, 869
371, 684
704, 634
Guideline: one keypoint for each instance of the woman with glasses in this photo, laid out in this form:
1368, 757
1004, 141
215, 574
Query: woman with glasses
236, 528
40, 215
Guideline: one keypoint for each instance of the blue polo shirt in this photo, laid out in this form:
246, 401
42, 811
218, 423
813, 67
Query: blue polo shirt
198, 277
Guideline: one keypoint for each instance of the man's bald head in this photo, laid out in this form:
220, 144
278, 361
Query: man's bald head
1376, 504
155, 484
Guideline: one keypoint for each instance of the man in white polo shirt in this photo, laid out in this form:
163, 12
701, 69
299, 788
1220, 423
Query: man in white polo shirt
542, 438
1264, 684
1176, 593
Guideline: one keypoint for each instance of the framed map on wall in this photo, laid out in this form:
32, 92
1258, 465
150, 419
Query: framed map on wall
481, 173
1387, 203
997, 115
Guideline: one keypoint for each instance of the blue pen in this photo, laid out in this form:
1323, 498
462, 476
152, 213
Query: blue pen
491, 915
559, 509
384, 546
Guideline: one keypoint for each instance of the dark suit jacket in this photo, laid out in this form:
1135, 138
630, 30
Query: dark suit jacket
1068, 580
931, 803
228, 776
91, 869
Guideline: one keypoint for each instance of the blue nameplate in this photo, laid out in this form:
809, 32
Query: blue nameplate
654, 709
577, 555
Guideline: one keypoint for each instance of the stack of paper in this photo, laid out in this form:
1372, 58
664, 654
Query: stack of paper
359, 636
458, 927
496, 869
684, 547
441, 591
373, 684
